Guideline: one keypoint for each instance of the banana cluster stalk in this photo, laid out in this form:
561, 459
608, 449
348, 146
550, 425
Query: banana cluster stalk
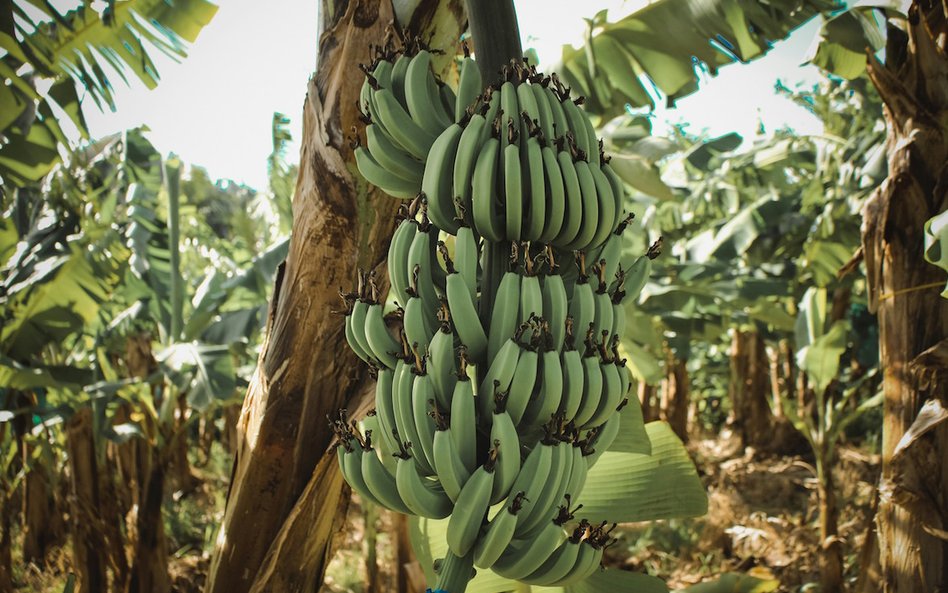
491, 406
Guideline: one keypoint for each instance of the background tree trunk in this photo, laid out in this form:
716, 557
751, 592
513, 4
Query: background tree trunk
903, 291
37, 509
284, 490
89, 547
676, 396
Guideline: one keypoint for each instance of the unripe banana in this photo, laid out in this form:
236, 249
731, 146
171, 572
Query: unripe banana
499, 533
471, 509
382, 484
506, 442
503, 319
437, 183
483, 191
464, 421
470, 86
423, 497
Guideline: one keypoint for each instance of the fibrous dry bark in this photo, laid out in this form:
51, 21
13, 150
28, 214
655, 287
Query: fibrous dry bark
285, 490
912, 519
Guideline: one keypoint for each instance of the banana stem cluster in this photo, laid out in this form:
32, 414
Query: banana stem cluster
499, 374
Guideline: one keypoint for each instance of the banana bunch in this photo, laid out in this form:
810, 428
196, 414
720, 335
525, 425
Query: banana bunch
491, 405
524, 164
405, 108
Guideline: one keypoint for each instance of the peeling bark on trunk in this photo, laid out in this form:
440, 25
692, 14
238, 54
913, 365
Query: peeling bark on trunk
904, 290
284, 490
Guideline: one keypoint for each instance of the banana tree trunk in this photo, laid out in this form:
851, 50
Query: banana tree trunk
37, 509
676, 395
284, 492
903, 291
749, 386
89, 544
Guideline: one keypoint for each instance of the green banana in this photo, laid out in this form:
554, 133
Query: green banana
422, 95
572, 399
518, 562
582, 307
438, 178
548, 499
356, 319
637, 276
465, 159
555, 306
608, 215
513, 190
466, 257
450, 469
603, 438
531, 297
503, 319
560, 563
385, 407
417, 323
590, 207
499, 533
510, 110
471, 509
550, 391
441, 365
422, 400
379, 176
350, 464
421, 267
464, 312
578, 472
383, 346
577, 125
402, 386
400, 125
506, 442
397, 262
534, 188
382, 484
483, 190
470, 86
603, 313
543, 109
522, 384
573, 218
392, 157
555, 195
499, 375
592, 388
423, 497
399, 69
534, 475
560, 123
464, 419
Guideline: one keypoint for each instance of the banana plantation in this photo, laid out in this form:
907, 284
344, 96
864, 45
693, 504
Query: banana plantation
492, 329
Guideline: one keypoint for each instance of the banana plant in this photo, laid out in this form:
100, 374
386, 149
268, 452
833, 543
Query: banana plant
69, 54
622, 62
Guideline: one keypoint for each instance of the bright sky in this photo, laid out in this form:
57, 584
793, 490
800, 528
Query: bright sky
215, 108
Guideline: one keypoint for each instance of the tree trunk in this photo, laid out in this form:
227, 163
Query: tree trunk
646, 395
6, 524
903, 290
89, 544
748, 387
37, 509
676, 390
284, 489
831, 558
149, 572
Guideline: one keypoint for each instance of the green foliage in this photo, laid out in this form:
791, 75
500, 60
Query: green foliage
73, 51
660, 45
